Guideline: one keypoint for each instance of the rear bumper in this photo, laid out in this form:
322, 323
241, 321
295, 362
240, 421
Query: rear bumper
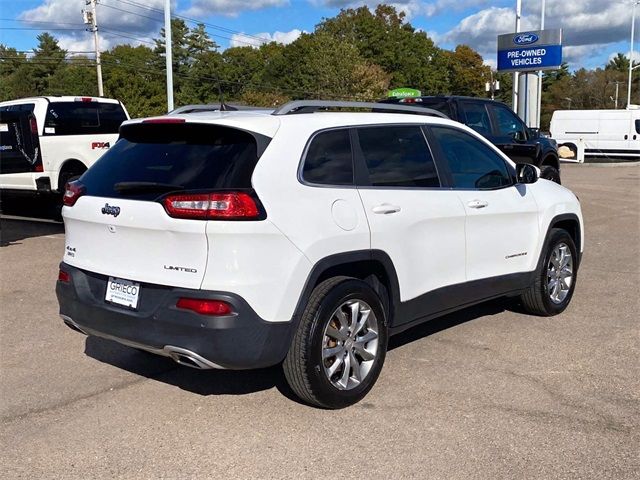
238, 341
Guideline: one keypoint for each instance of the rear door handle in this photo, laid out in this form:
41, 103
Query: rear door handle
386, 209
477, 204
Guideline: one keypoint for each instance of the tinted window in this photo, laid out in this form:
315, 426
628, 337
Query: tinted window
83, 118
397, 156
328, 160
472, 163
23, 107
508, 122
477, 117
438, 104
637, 126
189, 157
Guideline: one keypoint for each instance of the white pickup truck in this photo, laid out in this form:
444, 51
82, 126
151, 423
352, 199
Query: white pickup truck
46, 141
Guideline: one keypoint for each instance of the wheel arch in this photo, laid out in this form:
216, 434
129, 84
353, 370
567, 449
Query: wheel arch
571, 224
552, 160
372, 266
69, 167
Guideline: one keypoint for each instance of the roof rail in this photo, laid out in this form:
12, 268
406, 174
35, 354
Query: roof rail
310, 106
215, 107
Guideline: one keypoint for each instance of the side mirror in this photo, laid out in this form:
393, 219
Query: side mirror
518, 136
534, 133
527, 173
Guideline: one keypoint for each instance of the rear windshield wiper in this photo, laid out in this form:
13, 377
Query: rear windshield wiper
131, 187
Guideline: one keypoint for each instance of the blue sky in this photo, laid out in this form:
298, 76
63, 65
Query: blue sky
594, 30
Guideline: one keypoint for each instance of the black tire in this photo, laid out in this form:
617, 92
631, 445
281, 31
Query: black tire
304, 367
550, 173
537, 299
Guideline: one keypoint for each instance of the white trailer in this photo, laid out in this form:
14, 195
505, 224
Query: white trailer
597, 135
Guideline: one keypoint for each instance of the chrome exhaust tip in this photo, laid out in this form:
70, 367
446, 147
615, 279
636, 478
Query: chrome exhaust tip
71, 324
188, 358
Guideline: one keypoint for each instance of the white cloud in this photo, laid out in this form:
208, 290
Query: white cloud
257, 39
411, 8
589, 27
230, 7
117, 22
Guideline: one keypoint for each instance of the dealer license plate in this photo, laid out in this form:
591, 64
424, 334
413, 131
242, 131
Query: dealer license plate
123, 292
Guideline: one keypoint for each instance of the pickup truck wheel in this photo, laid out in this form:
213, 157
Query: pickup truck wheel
339, 348
555, 278
550, 173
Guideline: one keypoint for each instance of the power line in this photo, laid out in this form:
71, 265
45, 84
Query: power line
194, 20
251, 44
40, 29
36, 21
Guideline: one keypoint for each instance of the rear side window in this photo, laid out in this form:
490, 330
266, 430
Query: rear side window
328, 160
397, 157
473, 165
83, 118
22, 107
637, 126
150, 160
477, 117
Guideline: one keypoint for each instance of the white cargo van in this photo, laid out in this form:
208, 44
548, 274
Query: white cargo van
45, 141
597, 135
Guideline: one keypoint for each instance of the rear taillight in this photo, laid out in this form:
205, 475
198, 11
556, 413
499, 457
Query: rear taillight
212, 206
205, 307
33, 124
64, 276
72, 192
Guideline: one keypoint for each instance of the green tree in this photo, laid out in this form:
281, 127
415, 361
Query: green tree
467, 72
15, 74
386, 39
323, 66
619, 63
47, 61
131, 75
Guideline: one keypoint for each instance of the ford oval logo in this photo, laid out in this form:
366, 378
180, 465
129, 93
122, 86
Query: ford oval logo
525, 38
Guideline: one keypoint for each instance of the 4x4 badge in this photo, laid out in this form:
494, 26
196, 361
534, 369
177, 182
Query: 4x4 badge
110, 210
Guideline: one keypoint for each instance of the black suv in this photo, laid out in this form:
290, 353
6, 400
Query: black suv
497, 122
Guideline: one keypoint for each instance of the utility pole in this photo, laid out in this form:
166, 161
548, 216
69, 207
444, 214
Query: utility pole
516, 75
616, 101
633, 25
542, 13
91, 19
168, 47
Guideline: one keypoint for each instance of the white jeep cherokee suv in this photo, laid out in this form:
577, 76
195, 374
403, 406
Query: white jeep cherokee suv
304, 236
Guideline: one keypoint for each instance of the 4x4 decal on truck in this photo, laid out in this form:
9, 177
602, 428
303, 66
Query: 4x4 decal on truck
103, 145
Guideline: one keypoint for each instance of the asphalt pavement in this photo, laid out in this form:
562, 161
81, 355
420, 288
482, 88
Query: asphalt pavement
486, 393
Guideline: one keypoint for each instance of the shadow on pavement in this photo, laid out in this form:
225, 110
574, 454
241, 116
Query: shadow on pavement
44, 206
240, 382
201, 382
12, 231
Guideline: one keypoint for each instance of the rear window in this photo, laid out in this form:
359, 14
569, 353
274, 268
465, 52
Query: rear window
328, 160
151, 160
22, 107
83, 118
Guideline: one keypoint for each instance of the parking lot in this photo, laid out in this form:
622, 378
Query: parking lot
484, 393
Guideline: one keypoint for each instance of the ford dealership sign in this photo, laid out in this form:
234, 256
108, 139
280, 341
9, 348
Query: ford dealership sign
527, 51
